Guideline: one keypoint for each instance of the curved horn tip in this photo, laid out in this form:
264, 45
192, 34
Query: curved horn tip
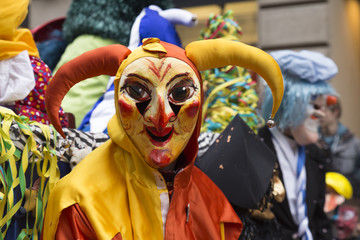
62, 133
57, 126
59, 130
270, 123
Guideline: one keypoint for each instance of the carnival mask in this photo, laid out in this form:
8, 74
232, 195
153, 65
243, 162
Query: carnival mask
346, 222
307, 132
159, 102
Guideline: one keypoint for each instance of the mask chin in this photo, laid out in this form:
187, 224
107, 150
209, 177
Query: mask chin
304, 136
307, 132
159, 158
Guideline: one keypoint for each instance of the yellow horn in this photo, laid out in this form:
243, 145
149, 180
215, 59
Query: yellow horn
215, 53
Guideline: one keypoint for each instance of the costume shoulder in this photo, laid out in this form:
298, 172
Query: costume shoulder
90, 181
93, 169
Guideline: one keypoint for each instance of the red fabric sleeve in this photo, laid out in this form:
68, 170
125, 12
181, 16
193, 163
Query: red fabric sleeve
73, 224
232, 230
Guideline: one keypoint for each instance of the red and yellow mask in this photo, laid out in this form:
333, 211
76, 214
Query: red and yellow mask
159, 104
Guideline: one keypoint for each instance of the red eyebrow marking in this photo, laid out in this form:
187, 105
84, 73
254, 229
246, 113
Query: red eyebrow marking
154, 69
166, 70
136, 76
157, 70
180, 75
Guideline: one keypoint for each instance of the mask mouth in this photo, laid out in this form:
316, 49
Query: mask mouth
312, 123
159, 138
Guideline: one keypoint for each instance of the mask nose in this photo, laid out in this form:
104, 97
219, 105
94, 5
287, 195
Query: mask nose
160, 114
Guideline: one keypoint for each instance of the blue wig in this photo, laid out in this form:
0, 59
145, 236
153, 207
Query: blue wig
299, 90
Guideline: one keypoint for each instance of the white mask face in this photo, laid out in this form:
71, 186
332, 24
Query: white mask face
307, 132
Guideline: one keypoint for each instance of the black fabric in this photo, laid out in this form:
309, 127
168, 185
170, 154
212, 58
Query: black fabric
315, 194
239, 164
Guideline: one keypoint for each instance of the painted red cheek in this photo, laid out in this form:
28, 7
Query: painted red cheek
192, 109
125, 108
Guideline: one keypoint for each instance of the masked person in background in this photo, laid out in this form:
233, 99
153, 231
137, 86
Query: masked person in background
341, 142
301, 163
142, 183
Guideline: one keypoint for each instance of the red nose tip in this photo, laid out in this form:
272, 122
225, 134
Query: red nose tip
331, 100
161, 118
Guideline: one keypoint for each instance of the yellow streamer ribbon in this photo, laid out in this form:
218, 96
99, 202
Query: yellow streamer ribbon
14, 173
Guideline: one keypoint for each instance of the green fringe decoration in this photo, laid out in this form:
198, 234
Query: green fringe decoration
13, 165
229, 90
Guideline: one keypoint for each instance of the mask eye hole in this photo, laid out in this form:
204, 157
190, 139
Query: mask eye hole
142, 106
181, 92
317, 107
137, 92
175, 108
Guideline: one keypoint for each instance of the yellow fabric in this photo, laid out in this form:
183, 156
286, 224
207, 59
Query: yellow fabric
222, 231
122, 171
153, 45
214, 53
12, 40
17, 165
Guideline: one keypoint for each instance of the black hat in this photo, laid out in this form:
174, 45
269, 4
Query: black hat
240, 164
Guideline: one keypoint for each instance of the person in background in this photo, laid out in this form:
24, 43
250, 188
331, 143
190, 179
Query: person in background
347, 222
301, 163
23, 75
341, 208
342, 143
